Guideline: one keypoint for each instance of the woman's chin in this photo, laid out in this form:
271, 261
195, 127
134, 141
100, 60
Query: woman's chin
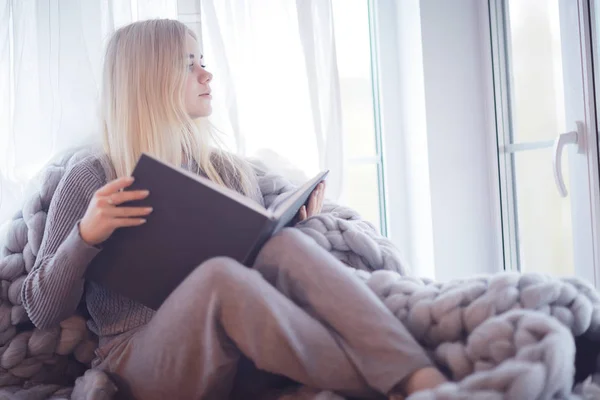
200, 114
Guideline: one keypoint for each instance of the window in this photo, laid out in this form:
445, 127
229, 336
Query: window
363, 183
544, 92
542, 217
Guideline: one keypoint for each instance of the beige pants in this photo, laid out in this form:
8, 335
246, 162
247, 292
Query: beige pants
299, 313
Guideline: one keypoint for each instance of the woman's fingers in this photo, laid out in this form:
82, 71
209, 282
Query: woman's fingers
126, 212
302, 214
321, 196
114, 186
312, 203
103, 215
315, 203
126, 222
129, 195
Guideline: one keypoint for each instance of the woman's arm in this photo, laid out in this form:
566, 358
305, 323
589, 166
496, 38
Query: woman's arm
53, 288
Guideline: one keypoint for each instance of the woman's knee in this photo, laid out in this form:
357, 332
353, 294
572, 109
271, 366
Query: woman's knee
217, 272
285, 251
290, 240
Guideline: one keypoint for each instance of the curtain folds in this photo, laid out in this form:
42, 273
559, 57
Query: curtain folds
276, 87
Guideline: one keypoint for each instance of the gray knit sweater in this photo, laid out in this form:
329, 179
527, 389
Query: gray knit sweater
56, 284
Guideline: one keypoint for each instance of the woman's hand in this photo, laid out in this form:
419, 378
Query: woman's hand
104, 216
315, 203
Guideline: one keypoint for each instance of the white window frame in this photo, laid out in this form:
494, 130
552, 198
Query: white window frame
377, 159
447, 224
586, 222
594, 46
505, 168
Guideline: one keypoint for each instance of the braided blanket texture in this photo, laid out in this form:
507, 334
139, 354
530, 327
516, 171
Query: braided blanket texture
506, 336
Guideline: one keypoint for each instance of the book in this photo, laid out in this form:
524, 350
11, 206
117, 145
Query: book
193, 220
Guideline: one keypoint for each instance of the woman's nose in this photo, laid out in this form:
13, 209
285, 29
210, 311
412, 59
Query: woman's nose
205, 76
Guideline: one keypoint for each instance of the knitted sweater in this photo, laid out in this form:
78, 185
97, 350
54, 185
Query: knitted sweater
56, 284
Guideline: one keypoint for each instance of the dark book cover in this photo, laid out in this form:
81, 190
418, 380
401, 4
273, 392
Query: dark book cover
193, 220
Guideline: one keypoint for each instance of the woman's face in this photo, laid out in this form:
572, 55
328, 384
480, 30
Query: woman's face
197, 90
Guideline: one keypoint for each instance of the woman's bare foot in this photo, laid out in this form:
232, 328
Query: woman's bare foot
421, 379
396, 397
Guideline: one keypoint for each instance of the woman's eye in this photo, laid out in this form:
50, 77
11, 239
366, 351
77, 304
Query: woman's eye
191, 67
203, 66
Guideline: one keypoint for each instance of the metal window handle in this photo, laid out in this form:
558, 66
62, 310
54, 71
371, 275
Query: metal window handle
573, 137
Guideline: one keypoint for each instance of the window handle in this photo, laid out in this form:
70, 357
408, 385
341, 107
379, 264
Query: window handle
573, 137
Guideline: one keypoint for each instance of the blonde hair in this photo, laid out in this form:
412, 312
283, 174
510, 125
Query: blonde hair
142, 106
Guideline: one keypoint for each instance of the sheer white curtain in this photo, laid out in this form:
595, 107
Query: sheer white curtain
49, 65
275, 89
276, 81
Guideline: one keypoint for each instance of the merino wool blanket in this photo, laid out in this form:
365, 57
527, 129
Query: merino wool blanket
502, 336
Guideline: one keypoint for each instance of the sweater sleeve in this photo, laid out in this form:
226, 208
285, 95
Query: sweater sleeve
53, 289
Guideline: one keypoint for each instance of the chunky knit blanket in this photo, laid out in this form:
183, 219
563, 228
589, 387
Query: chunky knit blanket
506, 336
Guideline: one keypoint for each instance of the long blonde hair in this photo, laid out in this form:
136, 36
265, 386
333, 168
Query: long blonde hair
142, 106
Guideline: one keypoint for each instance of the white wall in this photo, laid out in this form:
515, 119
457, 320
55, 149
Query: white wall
440, 124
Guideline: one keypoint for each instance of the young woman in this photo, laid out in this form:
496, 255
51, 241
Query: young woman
290, 314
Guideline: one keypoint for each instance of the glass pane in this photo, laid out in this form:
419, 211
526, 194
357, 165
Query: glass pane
352, 41
544, 218
536, 73
361, 191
